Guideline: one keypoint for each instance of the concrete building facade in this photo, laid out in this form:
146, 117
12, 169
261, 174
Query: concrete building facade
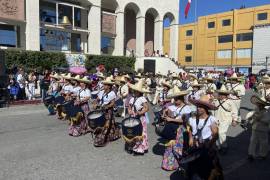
261, 48
220, 41
82, 26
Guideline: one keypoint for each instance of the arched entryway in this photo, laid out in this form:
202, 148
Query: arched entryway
131, 12
108, 26
151, 17
168, 20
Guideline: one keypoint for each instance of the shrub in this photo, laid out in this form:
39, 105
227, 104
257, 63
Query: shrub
34, 59
124, 64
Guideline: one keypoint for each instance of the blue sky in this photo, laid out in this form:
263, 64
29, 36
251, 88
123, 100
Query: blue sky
205, 7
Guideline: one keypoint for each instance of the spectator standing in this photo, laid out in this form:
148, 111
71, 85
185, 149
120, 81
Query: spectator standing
13, 88
31, 85
45, 83
21, 81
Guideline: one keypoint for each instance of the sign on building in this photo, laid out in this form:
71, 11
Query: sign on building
108, 24
12, 9
261, 48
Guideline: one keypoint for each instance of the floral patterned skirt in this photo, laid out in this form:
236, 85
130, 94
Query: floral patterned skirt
78, 125
169, 162
142, 145
110, 132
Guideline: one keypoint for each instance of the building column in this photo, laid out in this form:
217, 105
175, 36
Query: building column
140, 36
174, 34
84, 40
158, 42
32, 30
119, 39
94, 26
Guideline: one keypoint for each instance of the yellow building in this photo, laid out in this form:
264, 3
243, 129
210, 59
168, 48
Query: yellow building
220, 40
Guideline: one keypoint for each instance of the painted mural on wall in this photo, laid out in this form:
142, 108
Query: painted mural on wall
76, 60
12, 9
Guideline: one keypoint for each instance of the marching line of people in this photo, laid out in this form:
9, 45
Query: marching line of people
191, 113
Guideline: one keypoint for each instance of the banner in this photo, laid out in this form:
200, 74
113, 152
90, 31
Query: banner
12, 9
108, 24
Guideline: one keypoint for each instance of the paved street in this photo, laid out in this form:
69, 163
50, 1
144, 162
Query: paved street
36, 146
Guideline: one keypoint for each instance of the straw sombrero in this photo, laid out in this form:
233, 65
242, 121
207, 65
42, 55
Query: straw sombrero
196, 84
158, 74
265, 77
108, 81
223, 90
209, 78
138, 86
127, 76
176, 92
76, 78
174, 75
166, 83
266, 80
123, 79
68, 76
100, 75
56, 76
139, 75
234, 77
192, 76
255, 99
84, 80
204, 101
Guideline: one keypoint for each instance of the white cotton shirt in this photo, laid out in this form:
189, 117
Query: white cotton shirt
19, 80
122, 90
67, 88
206, 132
107, 98
76, 90
84, 93
138, 103
54, 86
178, 112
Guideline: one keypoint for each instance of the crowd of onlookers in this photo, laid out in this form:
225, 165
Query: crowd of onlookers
28, 85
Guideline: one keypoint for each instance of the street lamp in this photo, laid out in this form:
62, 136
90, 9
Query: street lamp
266, 58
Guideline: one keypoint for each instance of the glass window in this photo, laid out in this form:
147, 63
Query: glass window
211, 25
225, 39
75, 42
188, 58
189, 33
226, 22
48, 12
77, 17
224, 54
188, 46
244, 37
243, 53
107, 45
262, 16
54, 40
8, 36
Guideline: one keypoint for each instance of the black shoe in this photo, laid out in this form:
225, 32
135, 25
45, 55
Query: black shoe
250, 158
128, 151
137, 154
